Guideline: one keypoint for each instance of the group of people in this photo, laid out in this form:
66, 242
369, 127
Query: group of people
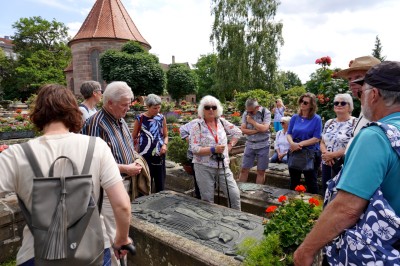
368, 163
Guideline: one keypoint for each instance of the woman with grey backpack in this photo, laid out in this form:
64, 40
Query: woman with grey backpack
58, 178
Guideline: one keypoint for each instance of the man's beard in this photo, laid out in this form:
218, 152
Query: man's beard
367, 112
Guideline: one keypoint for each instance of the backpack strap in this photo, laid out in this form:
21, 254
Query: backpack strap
89, 155
32, 159
84, 106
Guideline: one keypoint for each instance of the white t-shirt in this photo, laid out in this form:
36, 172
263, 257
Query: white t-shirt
87, 113
17, 174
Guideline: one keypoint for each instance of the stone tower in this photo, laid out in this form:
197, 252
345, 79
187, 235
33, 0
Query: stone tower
108, 26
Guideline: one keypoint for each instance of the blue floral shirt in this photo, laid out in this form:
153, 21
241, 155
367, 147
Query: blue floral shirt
151, 136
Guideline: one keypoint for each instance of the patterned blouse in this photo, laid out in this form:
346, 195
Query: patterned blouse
151, 136
201, 136
336, 134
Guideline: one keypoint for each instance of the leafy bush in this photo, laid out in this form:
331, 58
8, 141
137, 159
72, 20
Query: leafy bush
171, 117
177, 150
265, 252
264, 98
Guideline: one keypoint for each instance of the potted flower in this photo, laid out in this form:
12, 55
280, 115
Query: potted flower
177, 152
16, 127
285, 228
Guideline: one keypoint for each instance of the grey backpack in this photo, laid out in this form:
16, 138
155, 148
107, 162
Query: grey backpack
64, 222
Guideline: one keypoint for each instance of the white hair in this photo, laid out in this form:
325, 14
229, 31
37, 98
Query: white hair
209, 100
152, 100
286, 119
117, 90
347, 98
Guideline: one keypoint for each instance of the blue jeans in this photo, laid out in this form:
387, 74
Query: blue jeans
106, 259
274, 159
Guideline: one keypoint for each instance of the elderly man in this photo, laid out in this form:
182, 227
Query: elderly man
357, 69
109, 124
366, 167
255, 124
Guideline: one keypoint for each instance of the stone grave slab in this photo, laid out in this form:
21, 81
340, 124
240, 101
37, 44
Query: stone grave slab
202, 233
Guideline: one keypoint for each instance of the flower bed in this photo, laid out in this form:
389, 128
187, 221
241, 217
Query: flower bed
285, 230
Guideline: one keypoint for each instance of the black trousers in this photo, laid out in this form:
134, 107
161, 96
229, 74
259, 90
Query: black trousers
157, 171
310, 176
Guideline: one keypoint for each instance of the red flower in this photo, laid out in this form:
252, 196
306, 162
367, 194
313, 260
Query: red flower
271, 209
18, 111
3, 147
328, 60
282, 198
313, 201
327, 99
300, 188
318, 61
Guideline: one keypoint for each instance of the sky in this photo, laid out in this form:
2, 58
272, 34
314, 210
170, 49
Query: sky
341, 29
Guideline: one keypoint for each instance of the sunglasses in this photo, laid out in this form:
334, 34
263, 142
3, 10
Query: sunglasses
282, 123
340, 103
304, 102
207, 107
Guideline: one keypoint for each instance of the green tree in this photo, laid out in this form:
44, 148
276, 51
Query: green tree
285, 80
181, 80
205, 70
7, 69
377, 51
43, 55
247, 41
137, 67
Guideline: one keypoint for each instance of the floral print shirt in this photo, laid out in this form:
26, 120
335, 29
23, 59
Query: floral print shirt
200, 136
151, 136
336, 134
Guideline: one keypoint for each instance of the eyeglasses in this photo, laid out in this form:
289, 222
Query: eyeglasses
98, 91
360, 92
340, 103
207, 107
304, 102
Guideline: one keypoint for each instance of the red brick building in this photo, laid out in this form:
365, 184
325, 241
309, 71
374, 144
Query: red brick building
108, 26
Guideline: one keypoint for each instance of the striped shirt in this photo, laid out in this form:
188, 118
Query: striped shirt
114, 132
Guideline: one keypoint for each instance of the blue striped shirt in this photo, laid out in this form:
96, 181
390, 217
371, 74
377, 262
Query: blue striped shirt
114, 132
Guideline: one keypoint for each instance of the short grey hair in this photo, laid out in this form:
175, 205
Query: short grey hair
389, 97
347, 98
117, 90
286, 119
88, 87
152, 100
209, 100
251, 103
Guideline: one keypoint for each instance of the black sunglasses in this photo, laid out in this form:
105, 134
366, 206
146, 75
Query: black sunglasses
304, 102
340, 103
207, 107
282, 123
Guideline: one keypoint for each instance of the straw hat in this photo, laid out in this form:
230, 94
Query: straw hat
360, 63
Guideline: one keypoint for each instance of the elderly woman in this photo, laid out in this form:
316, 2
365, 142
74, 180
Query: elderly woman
210, 148
281, 145
150, 130
91, 92
279, 112
305, 133
335, 136
57, 115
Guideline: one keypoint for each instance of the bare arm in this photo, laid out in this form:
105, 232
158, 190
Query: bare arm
121, 206
294, 146
165, 134
342, 213
135, 130
248, 131
309, 142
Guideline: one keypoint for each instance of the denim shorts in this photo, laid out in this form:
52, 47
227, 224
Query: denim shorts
250, 155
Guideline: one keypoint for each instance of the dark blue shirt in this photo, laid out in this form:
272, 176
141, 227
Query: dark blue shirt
303, 129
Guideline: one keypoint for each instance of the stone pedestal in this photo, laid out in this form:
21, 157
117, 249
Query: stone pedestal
11, 227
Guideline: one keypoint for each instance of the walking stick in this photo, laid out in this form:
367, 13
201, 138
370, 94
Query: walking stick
130, 248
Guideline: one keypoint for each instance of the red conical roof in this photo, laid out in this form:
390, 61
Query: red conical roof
109, 19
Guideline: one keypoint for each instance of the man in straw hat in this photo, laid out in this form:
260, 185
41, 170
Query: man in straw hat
357, 69
370, 177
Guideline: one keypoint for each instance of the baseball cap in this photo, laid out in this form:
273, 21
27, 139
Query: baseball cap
384, 76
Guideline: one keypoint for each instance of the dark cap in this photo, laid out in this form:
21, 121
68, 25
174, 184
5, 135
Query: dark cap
384, 76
